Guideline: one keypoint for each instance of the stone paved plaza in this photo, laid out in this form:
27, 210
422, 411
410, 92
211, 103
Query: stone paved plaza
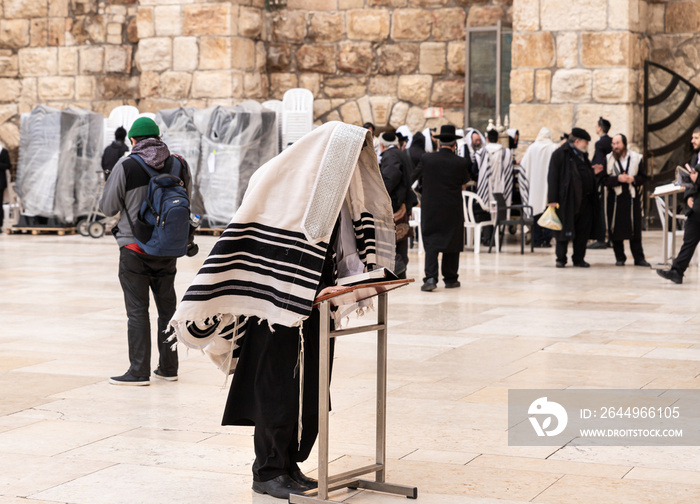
67, 436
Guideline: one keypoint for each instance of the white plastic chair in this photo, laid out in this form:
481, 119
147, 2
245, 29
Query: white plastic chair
297, 115
277, 107
664, 215
414, 222
469, 199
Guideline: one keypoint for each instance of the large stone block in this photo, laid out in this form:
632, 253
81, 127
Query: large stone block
543, 86
185, 54
14, 33
278, 57
350, 4
310, 81
567, 50
656, 18
350, 113
9, 135
144, 23
385, 85
398, 114
149, 84
321, 108
355, 57
242, 54
529, 118
365, 24
175, 85
58, 8
533, 50
260, 56
212, 84
207, 19
168, 20
39, 32
522, 81
118, 59
456, 57
84, 87
316, 58
415, 119
411, 24
327, 27
571, 86
254, 85
9, 63
606, 49
9, 90
682, 17
154, 54
250, 22
38, 62
614, 85
585, 15
487, 15
280, 83
526, 15
448, 24
398, 59
117, 87
313, 5
214, 53
57, 31
415, 89
345, 87
432, 58
13, 9
448, 93
289, 26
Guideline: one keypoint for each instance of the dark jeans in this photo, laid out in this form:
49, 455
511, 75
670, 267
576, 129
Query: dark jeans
540, 235
691, 238
582, 231
450, 266
137, 274
277, 451
635, 247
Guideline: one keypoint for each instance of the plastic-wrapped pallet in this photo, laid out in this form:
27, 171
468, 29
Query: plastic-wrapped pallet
59, 162
236, 141
182, 137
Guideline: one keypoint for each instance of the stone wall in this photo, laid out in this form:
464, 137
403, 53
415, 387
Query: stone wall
64, 53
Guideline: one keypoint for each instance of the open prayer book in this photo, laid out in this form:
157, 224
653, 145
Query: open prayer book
378, 275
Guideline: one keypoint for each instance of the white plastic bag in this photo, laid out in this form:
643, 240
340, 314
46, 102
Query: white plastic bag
550, 220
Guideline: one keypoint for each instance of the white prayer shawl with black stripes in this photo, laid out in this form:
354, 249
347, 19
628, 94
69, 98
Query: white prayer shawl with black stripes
616, 167
497, 175
268, 261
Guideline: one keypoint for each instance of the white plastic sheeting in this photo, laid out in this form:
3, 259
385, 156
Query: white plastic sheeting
59, 156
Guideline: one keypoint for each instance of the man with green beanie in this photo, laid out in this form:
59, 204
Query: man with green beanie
124, 192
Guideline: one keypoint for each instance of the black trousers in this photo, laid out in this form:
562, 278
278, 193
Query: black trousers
583, 223
691, 238
635, 247
450, 266
137, 274
402, 250
277, 450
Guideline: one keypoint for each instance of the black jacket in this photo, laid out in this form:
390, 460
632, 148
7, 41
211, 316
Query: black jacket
394, 172
111, 155
603, 147
4, 170
443, 174
570, 180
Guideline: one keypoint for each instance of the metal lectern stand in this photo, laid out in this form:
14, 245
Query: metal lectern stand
350, 479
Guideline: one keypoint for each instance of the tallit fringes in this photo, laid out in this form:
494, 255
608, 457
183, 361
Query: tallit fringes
229, 360
301, 385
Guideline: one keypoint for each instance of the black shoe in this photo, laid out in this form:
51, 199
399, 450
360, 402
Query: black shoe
128, 379
620, 263
582, 264
162, 376
560, 264
452, 285
671, 274
280, 487
429, 285
597, 245
642, 263
303, 479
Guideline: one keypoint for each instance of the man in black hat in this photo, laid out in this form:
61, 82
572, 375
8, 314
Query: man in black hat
443, 175
572, 189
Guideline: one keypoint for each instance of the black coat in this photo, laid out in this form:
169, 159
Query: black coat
395, 175
570, 179
603, 147
627, 212
112, 153
4, 171
443, 174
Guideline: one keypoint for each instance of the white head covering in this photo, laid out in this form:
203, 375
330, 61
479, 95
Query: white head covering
534, 168
428, 140
468, 137
405, 131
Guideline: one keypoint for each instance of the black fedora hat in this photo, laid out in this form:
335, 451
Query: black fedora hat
447, 133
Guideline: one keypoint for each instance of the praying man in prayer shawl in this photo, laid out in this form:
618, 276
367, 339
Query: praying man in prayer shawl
318, 208
625, 179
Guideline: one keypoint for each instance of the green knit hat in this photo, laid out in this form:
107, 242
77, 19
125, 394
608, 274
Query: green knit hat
143, 127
